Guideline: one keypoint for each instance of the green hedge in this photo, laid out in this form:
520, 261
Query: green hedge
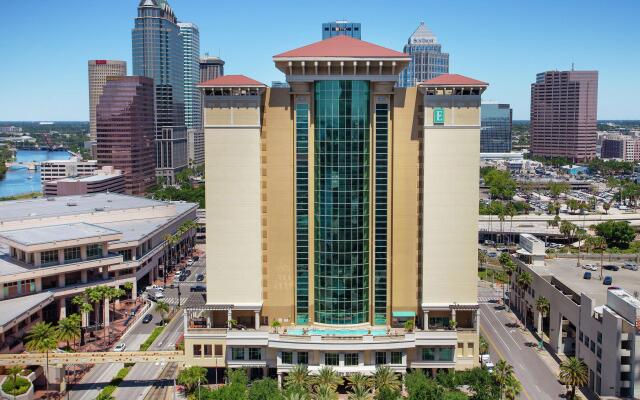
20, 387
154, 335
106, 393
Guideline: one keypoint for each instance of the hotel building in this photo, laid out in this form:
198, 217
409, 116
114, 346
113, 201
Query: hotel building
339, 208
99, 70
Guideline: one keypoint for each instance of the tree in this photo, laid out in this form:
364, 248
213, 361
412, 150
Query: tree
567, 228
542, 305
409, 325
298, 378
617, 233
482, 259
597, 243
606, 207
525, 279
163, 308
512, 387
325, 392
358, 380
573, 373
68, 329
84, 308
500, 183
581, 235
502, 372
388, 394
327, 376
385, 378
511, 212
13, 373
557, 188
191, 377
359, 393
264, 389
484, 346
275, 324
42, 338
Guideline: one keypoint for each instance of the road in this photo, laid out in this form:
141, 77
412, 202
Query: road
142, 375
539, 382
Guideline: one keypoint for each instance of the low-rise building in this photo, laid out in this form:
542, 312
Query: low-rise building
52, 170
620, 147
586, 319
105, 179
52, 249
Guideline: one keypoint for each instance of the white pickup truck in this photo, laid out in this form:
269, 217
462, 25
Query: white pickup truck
485, 360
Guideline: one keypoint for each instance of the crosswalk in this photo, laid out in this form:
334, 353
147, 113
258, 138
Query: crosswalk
488, 299
173, 301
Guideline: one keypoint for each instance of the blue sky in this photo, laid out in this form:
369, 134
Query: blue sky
45, 44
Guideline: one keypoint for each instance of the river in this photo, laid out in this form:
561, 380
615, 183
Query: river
19, 180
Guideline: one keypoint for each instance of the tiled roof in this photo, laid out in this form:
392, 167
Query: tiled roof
453, 80
231, 80
342, 46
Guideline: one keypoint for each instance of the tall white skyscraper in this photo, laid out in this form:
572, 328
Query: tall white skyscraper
190, 36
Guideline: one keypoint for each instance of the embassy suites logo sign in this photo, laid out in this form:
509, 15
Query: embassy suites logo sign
438, 115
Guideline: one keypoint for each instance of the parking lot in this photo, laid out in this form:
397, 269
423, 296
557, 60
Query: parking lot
568, 273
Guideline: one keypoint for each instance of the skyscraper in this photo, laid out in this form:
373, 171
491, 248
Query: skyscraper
564, 114
495, 133
126, 130
157, 54
427, 59
328, 212
98, 72
341, 28
190, 36
211, 67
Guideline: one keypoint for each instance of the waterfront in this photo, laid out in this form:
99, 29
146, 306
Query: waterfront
19, 180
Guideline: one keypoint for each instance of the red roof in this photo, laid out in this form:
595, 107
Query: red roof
342, 46
231, 80
454, 80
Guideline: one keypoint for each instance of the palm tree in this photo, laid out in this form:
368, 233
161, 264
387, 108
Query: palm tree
511, 212
298, 378
358, 380
68, 329
581, 235
295, 395
606, 207
359, 393
542, 305
512, 387
502, 372
525, 279
573, 373
191, 377
275, 325
597, 243
163, 308
42, 338
13, 372
84, 308
325, 392
94, 295
385, 378
501, 217
567, 229
328, 377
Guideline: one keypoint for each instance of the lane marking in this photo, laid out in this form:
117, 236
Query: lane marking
501, 324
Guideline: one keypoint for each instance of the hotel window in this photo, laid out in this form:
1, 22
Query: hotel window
331, 359
49, 257
126, 255
380, 219
303, 358
207, 350
599, 337
218, 350
428, 354
351, 359
237, 353
599, 352
445, 354
396, 357
71, 254
302, 216
381, 358
287, 357
197, 350
94, 251
255, 354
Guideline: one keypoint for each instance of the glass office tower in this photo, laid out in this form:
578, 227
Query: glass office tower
341, 202
157, 54
427, 59
495, 134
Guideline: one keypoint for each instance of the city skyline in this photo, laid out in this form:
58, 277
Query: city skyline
470, 42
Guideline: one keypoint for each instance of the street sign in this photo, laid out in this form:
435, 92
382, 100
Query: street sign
438, 115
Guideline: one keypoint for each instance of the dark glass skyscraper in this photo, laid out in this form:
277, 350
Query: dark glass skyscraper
158, 54
210, 67
341, 28
125, 130
427, 59
495, 134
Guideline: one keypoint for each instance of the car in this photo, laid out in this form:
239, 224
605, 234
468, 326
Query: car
189, 263
630, 265
589, 267
611, 267
120, 347
492, 254
196, 258
178, 273
147, 318
489, 242
187, 272
199, 277
607, 280
586, 275
155, 287
183, 277
489, 367
198, 288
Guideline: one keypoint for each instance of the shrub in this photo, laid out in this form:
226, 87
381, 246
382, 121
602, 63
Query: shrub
20, 386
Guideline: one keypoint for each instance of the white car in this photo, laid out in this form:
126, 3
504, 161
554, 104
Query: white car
489, 367
589, 267
189, 262
120, 347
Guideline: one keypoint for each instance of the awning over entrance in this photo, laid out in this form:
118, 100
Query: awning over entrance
403, 314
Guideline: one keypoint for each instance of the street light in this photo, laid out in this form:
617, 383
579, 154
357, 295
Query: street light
179, 293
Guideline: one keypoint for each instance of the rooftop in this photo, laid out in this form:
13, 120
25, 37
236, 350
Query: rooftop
14, 308
90, 178
341, 47
453, 80
69, 205
231, 81
56, 233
